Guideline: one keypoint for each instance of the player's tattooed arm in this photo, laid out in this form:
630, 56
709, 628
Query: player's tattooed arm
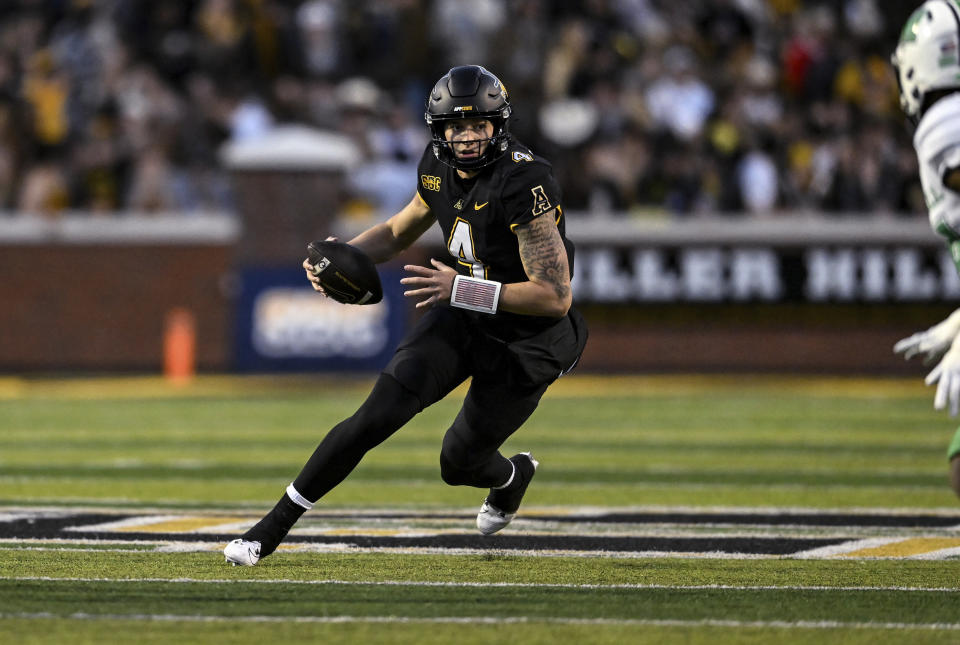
543, 254
545, 259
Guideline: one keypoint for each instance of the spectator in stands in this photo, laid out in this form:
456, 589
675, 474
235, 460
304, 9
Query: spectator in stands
10, 152
44, 189
100, 161
393, 145
757, 179
678, 99
319, 23
46, 89
684, 91
466, 29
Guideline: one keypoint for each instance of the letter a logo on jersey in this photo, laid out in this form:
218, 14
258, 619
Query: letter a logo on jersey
541, 204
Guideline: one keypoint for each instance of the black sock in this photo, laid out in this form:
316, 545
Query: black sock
515, 477
275, 525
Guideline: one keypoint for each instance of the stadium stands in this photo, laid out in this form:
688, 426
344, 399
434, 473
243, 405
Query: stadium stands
677, 108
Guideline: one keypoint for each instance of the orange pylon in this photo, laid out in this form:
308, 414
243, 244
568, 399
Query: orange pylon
179, 346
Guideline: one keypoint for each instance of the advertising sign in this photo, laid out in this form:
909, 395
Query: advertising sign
764, 273
283, 324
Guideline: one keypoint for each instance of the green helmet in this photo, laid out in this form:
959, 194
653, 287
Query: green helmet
927, 57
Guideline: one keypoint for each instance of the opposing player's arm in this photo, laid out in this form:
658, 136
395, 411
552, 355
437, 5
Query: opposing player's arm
384, 241
547, 291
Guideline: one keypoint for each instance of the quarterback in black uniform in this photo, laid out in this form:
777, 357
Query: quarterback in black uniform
502, 317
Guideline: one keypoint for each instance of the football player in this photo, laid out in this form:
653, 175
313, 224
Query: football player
501, 315
927, 64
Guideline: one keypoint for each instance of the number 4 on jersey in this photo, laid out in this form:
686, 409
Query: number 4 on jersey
460, 246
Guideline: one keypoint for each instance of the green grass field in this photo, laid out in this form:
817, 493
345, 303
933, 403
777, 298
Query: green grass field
116, 496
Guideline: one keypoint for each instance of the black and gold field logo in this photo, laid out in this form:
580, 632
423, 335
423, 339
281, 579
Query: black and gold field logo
430, 182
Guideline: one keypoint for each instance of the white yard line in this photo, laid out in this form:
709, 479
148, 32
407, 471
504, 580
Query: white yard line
212, 547
43, 508
443, 583
485, 620
159, 546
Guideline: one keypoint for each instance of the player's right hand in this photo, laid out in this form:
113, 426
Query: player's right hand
933, 342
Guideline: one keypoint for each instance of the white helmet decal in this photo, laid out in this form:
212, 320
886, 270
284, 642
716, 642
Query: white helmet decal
927, 57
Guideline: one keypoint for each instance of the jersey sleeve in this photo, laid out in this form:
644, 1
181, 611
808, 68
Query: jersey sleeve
425, 175
529, 192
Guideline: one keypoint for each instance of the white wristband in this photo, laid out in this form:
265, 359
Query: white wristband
475, 294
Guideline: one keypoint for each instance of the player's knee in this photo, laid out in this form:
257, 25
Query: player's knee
452, 473
955, 475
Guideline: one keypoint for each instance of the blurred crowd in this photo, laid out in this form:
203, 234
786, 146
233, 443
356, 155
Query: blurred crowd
680, 107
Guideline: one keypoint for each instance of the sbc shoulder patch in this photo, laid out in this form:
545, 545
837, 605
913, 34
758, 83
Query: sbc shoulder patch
541, 203
430, 182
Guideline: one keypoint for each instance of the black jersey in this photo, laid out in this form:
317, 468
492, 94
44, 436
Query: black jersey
478, 217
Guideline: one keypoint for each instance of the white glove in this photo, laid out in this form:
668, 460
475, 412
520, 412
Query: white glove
932, 342
947, 372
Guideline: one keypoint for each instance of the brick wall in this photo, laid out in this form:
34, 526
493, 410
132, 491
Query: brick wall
102, 307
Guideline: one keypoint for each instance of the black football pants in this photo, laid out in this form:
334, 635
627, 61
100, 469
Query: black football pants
439, 354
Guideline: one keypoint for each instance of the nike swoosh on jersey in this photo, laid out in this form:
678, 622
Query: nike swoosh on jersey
477, 206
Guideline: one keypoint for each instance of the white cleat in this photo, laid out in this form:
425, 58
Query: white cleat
243, 553
491, 519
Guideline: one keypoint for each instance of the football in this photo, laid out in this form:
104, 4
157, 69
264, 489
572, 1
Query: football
346, 273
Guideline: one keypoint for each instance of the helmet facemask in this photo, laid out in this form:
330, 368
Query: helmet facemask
444, 150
